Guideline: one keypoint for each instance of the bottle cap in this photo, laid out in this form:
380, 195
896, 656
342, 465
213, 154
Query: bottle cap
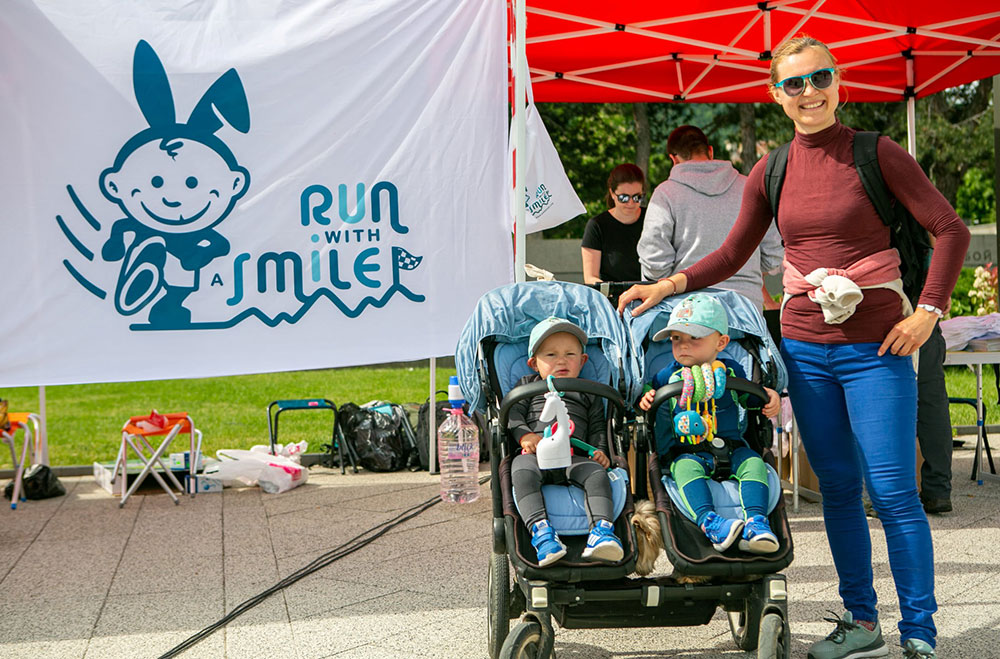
455, 393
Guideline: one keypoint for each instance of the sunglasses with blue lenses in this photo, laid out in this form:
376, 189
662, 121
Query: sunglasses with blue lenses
624, 198
795, 85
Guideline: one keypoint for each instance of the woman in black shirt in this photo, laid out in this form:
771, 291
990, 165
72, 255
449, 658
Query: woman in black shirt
610, 238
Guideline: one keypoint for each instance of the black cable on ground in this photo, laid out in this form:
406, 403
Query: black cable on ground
354, 544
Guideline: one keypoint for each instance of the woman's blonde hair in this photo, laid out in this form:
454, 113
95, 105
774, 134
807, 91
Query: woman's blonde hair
794, 46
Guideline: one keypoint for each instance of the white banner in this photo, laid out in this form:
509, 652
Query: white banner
214, 188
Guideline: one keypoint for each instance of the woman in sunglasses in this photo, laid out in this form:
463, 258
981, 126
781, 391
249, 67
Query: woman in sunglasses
851, 379
610, 238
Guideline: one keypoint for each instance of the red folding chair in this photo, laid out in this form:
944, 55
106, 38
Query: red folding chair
136, 434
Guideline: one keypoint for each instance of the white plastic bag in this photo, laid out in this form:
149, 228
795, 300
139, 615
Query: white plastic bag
549, 198
235, 467
292, 451
274, 473
282, 475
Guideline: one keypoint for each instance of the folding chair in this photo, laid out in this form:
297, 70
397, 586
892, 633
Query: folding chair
276, 407
29, 424
135, 433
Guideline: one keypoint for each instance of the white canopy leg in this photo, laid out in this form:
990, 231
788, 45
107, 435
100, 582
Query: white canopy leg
520, 71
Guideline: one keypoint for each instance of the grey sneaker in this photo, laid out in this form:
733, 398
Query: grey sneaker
914, 648
849, 640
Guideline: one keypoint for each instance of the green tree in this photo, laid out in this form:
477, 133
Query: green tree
954, 137
954, 132
975, 200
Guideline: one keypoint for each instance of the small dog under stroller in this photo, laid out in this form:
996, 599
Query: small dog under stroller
753, 594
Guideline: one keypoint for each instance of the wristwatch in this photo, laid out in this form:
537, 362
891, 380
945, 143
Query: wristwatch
932, 309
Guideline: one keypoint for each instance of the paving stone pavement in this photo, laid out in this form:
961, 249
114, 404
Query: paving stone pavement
80, 577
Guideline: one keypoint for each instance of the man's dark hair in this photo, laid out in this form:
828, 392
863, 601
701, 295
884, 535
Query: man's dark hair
687, 141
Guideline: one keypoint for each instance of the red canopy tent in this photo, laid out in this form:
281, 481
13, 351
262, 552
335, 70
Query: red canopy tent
718, 52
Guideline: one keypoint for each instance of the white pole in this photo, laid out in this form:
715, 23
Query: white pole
911, 126
431, 418
911, 113
42, 442
520, 71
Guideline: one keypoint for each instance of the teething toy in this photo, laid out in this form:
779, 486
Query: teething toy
703, 385
687, 391
709, 378
699, 384
719, 370
689, 423
553, 451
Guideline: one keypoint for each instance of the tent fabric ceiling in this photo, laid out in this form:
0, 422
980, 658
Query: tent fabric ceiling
699, 51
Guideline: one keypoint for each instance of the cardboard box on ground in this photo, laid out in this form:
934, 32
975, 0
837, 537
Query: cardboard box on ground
104, 475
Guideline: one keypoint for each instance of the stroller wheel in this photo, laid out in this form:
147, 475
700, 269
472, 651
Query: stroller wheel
773, 640
523, 642
498, 615
745, 624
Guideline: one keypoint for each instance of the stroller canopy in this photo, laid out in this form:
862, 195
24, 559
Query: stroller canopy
744, 320
509, 313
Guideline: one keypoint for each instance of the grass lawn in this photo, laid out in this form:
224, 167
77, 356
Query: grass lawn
84, 421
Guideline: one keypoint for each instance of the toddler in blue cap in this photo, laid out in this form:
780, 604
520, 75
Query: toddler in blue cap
698, 330
556, 348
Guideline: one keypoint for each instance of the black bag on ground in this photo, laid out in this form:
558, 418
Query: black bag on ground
441, 408
377, 438
37, 482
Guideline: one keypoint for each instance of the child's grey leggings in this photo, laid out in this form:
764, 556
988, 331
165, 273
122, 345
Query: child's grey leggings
528, 479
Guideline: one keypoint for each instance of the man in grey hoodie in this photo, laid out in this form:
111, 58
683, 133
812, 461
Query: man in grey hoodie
691, 213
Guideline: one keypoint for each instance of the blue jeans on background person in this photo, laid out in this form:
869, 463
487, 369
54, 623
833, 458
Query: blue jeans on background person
857, 413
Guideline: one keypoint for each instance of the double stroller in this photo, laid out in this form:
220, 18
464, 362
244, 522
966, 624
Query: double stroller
492, 357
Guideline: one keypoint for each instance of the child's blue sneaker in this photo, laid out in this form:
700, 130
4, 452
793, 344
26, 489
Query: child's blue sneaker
758, 537
547, 545
721, 532
603, 544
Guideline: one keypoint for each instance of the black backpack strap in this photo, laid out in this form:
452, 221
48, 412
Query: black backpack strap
774, 176
866, 162
906, 234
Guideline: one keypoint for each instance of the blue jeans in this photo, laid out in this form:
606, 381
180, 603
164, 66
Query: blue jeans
858, 416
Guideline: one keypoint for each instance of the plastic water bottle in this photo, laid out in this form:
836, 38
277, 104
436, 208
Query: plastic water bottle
458, 451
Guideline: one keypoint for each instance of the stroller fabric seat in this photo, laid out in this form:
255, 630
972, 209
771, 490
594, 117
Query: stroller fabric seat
510, 360
508, 314
566, 505
726, 495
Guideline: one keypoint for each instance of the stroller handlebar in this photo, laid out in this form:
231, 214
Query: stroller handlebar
533, 389
741, 385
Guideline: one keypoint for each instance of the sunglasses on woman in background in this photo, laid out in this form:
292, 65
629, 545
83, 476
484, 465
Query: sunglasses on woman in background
795, 85
624, 198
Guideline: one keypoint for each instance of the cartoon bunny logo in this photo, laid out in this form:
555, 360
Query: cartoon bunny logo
175, 182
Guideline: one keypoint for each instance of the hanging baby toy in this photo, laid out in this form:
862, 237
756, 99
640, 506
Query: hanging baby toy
554, 450
703, 385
